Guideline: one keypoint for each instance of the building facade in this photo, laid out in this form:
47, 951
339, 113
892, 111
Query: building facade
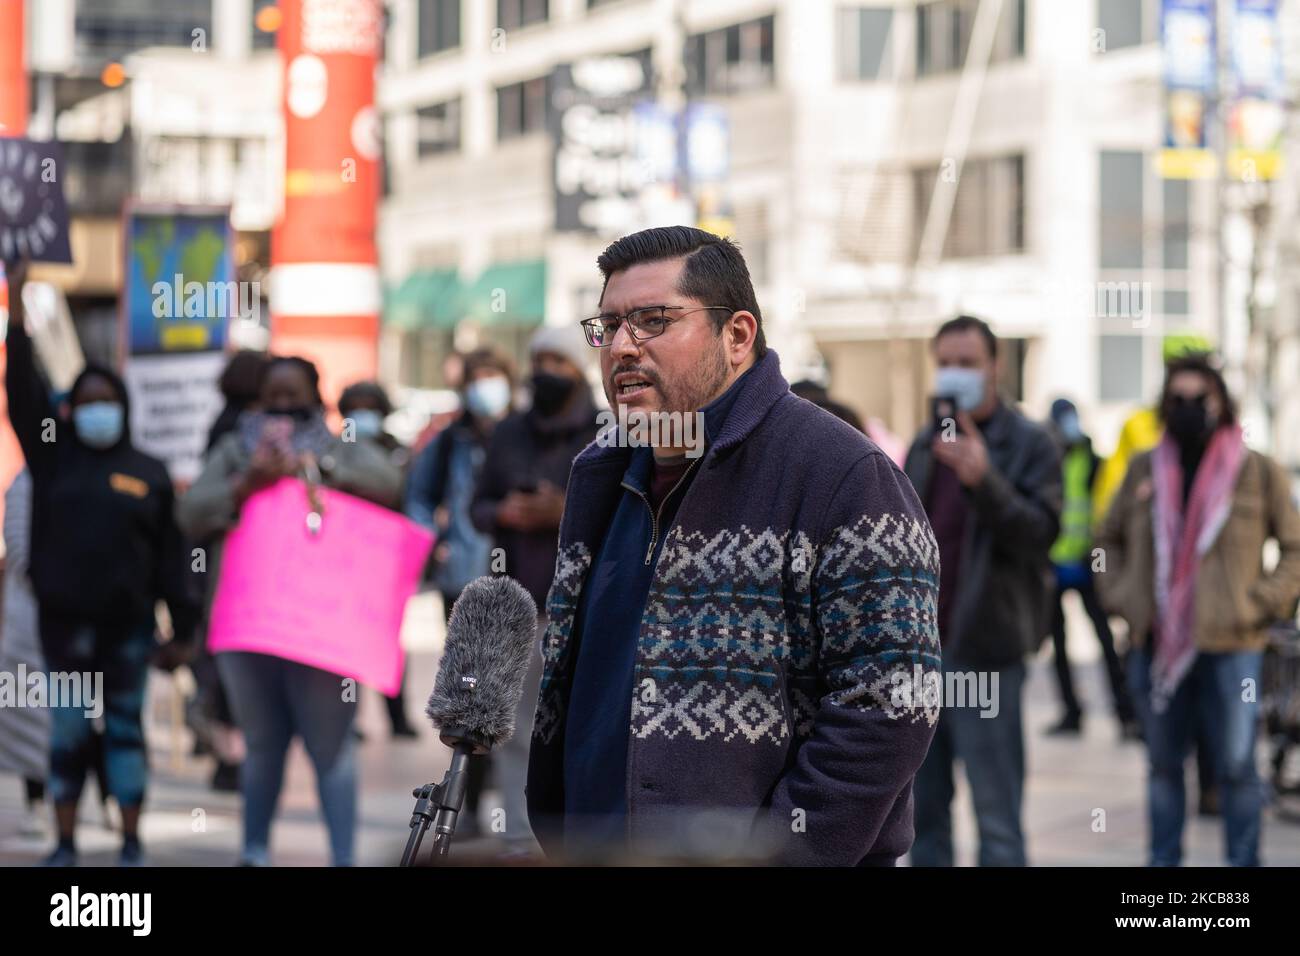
842, 118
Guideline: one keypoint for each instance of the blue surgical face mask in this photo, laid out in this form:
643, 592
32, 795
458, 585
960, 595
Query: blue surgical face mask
1070, 428
966, 385
367, 423
488, 397
99, 424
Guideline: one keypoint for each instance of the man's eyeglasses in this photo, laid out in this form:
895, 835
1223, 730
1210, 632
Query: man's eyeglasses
642, 324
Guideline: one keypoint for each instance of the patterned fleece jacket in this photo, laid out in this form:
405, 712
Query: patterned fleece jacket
783, 650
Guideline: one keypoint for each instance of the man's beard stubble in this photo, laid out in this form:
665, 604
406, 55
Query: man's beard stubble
699, 386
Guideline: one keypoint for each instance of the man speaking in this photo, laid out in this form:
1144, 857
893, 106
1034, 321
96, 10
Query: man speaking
736, 630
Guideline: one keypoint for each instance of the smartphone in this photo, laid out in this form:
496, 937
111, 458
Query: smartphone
277, 433
942, 409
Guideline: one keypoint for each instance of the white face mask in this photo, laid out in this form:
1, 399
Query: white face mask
367, 422
488, 397
966, 385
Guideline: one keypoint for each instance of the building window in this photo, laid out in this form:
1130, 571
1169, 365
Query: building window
1120, 368
943, 32
1125, 23
111, 29
98, 177
263, 39
513, 14
437, 128
438, 26
988, 212
1120, 204
521, 108
1177, 214
863, 37
732, 59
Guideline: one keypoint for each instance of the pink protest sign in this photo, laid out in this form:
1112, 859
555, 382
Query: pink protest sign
333, 599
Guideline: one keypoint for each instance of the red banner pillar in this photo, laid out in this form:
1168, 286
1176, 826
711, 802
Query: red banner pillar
13, 69
325, 290
13, 122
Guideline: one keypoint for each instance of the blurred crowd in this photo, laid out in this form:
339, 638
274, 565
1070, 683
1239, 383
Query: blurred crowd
96, 537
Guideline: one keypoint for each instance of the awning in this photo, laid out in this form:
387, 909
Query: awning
424, 300
507, 294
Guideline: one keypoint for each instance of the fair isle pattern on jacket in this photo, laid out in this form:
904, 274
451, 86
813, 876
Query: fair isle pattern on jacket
795, 592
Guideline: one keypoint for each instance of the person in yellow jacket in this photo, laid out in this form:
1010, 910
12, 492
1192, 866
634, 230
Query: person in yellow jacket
1071, 558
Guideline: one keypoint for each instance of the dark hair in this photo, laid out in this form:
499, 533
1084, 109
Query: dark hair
359, 391
91, 370
301, 364
241, 379
967, 323
714, 274
1202, 364
486, 358
810, 391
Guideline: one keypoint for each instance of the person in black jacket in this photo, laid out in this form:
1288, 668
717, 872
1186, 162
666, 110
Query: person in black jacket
519, 500
520, 493
991, 483
104, 548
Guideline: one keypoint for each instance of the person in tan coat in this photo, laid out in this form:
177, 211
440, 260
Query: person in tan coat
1183, 552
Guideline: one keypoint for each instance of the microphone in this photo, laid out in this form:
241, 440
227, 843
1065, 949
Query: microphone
490, 638
481, 677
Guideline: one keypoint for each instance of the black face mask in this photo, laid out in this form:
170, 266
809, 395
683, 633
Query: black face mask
550, 392
1188, 421
298, 415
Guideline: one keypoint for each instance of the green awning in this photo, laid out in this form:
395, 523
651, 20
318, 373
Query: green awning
423, 300
507, 293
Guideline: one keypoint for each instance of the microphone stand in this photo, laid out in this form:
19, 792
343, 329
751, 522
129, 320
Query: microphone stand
439, 805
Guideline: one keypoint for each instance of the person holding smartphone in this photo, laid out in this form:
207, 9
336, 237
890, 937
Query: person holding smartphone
990, 480
274, 699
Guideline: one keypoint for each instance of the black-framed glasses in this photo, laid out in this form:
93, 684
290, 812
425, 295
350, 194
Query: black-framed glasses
642, 324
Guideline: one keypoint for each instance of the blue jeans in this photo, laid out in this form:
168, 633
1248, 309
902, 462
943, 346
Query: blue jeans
1213, 690
274, 699
121, 654
993, 752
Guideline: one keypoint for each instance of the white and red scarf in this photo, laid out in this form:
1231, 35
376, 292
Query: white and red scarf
1182, 538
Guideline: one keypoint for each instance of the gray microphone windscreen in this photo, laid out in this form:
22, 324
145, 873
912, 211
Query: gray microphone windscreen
490, 638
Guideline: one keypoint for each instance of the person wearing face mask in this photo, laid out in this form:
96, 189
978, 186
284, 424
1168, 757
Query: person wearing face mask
274, 699
364, 407
1184, 541
519, 500
991, 483
1072, 558
438, 494
105, 547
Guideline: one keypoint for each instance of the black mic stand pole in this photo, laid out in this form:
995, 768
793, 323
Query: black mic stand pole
439, 805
